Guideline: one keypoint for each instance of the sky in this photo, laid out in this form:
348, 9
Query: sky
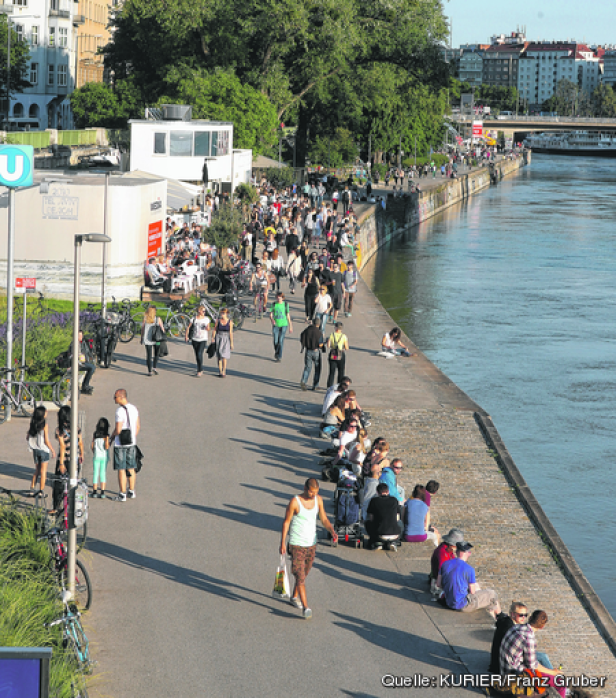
475, 21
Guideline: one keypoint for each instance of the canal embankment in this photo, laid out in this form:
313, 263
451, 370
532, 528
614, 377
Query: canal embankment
522, 555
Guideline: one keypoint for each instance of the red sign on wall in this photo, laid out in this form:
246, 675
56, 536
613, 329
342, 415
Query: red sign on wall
477, 129
155, 239
24, 284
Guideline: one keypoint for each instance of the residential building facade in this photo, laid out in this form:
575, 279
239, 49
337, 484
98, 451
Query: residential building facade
609, 68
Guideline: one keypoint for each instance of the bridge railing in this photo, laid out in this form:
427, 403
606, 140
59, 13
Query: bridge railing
535, 119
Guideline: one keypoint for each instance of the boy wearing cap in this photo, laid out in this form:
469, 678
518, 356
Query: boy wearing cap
460, 589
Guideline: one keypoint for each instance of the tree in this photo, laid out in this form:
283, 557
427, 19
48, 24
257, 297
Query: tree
334, 152
95, 104
603, 101
564, 100
221, 96
224, 230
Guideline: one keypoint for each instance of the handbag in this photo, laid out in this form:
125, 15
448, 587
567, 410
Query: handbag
138, 459
281, 581
211, 350
158, 334
191, 329
126, 435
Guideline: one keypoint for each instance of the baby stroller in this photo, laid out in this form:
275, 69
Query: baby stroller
347, 512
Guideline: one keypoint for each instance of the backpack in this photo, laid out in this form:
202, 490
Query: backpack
64, 359
348, 508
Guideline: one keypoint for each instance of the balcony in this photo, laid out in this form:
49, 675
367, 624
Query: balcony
64, 14
79, 19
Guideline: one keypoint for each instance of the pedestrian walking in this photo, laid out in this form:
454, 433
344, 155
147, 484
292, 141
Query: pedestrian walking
127, 426
300, 524
39, 445
100, 447
152, 347
63, 461
338, 345
223, 337
311, 284
350, 287
200, 325
294, 268
281, 321
311, 340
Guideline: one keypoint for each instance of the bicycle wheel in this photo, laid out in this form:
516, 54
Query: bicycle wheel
83, 586
5, 408
78, 642
30, 398
238, 318
213, 283
178, 325
62, 390
127, 331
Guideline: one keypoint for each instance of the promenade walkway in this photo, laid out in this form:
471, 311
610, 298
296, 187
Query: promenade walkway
183, 573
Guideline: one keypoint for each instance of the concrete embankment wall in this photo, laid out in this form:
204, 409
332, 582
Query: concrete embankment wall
377, 228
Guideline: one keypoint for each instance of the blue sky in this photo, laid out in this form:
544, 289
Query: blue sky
475, 21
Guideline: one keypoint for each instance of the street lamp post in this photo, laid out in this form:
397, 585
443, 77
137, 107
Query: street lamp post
72, 473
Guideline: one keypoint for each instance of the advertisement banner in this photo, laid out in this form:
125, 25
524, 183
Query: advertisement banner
155, 239
23, 284
477, 129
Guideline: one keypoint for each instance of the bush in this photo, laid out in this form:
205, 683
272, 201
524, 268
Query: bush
380, 168
280, 176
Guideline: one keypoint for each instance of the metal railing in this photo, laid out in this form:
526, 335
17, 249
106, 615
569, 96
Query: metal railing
37, 139
77, 137
543, 119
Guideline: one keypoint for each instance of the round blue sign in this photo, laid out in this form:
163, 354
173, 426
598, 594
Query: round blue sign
16, 165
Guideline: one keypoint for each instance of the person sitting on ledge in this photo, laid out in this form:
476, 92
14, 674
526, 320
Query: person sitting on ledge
518, 613
417, 527
518, 652
333, 419
460, 589
445, 551
392, 346
333, 392
382, 522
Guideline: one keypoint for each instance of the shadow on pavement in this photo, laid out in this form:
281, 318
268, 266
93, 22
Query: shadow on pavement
242, 515
412, 647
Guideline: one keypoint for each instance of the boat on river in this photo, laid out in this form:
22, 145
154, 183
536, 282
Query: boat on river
595, 144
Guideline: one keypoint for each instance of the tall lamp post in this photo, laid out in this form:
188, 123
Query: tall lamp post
72, 473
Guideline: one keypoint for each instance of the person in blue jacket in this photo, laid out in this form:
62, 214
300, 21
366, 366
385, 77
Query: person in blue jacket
389, 476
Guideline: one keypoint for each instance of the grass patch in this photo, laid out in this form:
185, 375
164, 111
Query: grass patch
29, 597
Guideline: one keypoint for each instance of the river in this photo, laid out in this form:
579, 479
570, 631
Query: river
513, 296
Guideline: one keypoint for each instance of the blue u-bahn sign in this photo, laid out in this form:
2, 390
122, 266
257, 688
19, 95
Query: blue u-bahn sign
16, 165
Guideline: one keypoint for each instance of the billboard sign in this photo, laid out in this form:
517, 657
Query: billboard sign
155, 239
16, 165
477, 129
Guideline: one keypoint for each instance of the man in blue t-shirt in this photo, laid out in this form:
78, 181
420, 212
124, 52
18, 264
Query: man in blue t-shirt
460, 589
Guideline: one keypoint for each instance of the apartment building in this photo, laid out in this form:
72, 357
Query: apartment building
609, 68
59, 54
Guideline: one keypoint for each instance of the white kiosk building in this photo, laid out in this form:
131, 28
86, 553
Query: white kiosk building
169, 144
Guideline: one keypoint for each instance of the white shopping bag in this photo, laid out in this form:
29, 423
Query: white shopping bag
281, 584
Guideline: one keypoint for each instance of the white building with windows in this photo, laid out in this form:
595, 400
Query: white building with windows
609, 68
178, 149
50, 29
544, 64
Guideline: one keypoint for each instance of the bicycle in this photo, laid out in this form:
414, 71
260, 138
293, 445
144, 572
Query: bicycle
176, 322
75, 639
23, 397
59, 561
127, 327
61, 517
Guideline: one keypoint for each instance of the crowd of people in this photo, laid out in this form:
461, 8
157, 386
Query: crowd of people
389, 519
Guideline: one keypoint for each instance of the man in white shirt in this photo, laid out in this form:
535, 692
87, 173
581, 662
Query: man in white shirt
127, 426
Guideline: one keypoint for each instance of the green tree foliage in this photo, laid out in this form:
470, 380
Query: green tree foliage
297, 53
95, 104
497, 97
565, 98
603, 101
226, 227
335, 151
280, 176
20, 57
220, 96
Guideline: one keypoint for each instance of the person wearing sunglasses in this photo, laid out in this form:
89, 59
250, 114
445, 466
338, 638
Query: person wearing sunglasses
518, 613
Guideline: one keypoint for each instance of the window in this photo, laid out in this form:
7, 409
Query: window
22, 3
50, 74
34, 73
63, 38
52, 36
180, 144
202, 143
19, 30
62, 75
214, 142
35, 36
160, 144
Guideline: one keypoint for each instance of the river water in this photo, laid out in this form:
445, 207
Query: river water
513, 296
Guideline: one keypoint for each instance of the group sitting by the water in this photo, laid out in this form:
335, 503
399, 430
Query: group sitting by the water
390, 518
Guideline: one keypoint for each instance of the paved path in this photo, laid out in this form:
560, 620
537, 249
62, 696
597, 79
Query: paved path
183, 574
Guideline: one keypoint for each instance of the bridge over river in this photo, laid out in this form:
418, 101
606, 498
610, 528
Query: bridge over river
516, 126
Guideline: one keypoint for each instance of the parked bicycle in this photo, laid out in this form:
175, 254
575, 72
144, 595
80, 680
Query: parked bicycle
75, 640
23, 396
59, 559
